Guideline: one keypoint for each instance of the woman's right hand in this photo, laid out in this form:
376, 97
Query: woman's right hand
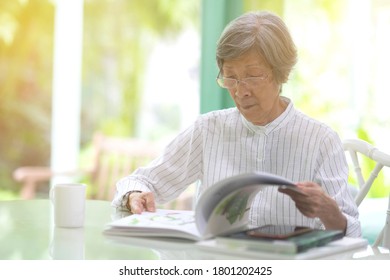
140, 202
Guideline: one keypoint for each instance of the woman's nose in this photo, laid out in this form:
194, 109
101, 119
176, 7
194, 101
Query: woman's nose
242, 90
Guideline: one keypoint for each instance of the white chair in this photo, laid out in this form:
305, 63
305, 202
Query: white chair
356, 148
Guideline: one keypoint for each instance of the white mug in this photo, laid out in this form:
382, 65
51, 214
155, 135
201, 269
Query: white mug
69, 204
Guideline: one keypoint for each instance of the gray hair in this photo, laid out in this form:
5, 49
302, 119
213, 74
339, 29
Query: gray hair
266, 33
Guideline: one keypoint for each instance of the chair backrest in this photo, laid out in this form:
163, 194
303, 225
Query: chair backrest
115, 158
356, 148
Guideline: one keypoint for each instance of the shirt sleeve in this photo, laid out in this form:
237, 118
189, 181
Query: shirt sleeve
332, 175
170, 174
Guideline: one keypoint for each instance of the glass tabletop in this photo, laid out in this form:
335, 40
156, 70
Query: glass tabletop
28, 233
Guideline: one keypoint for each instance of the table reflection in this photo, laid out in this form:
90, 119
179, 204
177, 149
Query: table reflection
67, 244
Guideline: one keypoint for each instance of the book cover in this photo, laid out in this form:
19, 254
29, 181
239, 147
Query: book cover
343, 248
280, 239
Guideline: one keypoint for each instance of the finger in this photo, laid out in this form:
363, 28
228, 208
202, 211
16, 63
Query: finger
149, 202
309, 186
137, 203
298, 192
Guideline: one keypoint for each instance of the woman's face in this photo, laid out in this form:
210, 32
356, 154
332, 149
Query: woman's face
258, 101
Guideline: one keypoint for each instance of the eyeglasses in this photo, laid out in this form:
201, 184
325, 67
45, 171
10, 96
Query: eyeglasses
230, 83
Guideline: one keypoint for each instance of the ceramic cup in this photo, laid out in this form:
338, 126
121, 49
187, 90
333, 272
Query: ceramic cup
69, 205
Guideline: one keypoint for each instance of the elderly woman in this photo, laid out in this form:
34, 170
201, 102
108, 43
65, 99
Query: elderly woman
255, 55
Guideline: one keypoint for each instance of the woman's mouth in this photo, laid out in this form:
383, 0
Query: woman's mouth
247, 106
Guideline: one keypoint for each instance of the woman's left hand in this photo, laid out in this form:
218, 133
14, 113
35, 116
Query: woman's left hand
312, 201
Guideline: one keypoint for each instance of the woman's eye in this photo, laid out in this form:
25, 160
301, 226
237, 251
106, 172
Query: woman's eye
255, 75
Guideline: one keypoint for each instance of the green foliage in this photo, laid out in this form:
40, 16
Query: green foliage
26, 47
276, 6
8, 195
118, 36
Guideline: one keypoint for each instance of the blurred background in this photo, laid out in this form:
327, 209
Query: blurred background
146, 69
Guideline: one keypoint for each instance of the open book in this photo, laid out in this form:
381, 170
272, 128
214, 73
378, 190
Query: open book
221, 209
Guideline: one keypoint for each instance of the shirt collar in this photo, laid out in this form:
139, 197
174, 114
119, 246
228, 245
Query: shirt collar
277, 123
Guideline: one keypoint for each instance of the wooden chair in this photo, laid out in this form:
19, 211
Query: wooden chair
357, 149
113, 158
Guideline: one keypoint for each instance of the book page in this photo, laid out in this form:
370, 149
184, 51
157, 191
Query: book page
162, 223
207, 206
231, 214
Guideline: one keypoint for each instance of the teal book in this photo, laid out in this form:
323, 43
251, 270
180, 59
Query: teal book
279, 239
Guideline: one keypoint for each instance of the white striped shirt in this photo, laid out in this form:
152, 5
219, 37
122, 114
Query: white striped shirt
222, 143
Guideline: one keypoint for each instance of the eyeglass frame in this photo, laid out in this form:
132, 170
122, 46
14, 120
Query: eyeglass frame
220, 80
